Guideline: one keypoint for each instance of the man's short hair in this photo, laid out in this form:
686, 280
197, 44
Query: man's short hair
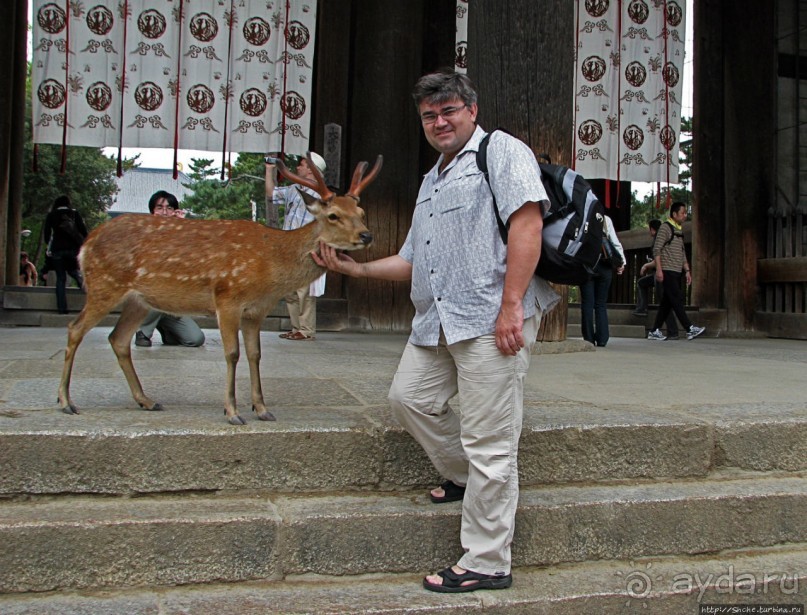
654, 224
675, 207
23, 255
443, 86
162, 194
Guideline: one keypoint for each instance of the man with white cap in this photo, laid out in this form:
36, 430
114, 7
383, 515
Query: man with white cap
302, 304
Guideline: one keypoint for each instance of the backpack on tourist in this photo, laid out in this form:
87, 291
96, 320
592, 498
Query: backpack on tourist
573, 232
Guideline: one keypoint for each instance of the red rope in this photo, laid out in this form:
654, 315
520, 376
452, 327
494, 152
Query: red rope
63, 165
229, 85
176, 108
285, 80
576, 77
619, 101
123, 86
666, 96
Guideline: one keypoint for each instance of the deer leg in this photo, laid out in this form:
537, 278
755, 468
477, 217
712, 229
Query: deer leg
132, 314
96, 307
228, 326
251, 328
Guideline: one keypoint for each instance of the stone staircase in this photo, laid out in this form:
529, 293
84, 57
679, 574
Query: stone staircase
36, 307
325, 511
622, 322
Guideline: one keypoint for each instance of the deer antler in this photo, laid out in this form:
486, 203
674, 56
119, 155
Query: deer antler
319, 186
358, 184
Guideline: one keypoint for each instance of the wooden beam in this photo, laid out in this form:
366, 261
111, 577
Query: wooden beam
771, 270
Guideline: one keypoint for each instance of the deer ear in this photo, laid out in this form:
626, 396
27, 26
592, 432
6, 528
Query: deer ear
312, 203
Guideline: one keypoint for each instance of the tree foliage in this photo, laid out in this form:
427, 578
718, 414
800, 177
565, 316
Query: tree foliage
231, 198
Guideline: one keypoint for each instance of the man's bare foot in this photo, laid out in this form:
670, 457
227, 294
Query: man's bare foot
436, 579
447, 492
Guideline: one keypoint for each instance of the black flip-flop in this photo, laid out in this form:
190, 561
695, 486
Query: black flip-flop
451, 493
453, 582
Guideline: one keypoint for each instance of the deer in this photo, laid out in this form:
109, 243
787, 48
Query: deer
236, 269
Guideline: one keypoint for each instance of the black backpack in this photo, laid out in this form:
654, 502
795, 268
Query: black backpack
571, 244
67, 225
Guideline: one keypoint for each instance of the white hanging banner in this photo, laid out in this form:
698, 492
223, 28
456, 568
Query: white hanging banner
461, 44
213, 75
629, 60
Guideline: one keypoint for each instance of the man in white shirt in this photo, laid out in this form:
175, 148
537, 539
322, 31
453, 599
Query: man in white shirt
302, 304
477, 310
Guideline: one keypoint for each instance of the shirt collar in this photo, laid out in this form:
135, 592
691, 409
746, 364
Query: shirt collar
472, 145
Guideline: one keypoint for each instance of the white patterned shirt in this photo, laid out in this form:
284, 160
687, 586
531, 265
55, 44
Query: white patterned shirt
457, 255
296, 214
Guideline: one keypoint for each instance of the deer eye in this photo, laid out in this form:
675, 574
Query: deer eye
333, 217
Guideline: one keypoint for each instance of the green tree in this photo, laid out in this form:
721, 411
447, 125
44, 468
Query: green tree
231, 198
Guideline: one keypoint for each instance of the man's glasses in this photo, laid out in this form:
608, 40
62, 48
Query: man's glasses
448, 113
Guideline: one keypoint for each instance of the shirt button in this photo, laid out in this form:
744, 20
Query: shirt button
431, 215
428, 242
436, 190
439, 298
432, 271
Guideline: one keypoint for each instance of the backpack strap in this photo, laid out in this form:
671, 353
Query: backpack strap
482, 164
672, 234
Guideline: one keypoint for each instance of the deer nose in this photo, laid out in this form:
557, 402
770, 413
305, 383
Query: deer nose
366, 238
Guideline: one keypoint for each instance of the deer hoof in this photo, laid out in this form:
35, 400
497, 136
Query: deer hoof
70, 409
236, 420
265, 415
155, 408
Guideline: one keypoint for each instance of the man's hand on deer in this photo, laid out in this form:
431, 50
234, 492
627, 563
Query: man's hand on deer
334, 260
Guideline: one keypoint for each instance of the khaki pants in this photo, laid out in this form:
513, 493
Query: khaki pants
302, 311
476, 444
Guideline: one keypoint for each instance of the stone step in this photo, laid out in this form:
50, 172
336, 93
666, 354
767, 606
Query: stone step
573, 330
356, 444
661, 586
84, 542
36, 307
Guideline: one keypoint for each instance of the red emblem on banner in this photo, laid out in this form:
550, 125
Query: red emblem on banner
99, 96
100, 20
51, 18
200, 98
253, 102
257, 31
298, 35
148, 96
151, 24
204, 27
51, 93
593, 68
293, 105
590, 132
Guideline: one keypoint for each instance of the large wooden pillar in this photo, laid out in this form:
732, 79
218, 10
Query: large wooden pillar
520, 58
13, 44
365, 87
734, 152
750, 112
708, 169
